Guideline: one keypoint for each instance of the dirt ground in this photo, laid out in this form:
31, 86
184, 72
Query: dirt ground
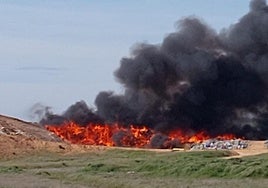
254, 148
18, 138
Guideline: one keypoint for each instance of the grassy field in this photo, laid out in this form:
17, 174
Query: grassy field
123, 168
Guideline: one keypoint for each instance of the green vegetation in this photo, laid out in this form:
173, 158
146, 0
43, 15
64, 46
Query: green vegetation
123, 168
206, 165
11, 169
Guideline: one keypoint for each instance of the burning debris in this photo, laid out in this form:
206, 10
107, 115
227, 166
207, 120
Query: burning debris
195, 80
116, 135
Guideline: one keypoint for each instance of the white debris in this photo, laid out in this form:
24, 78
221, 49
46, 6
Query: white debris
131, 172
266, 144
215, 144
10, 131
1, 130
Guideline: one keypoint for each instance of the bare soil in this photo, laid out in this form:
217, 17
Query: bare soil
20, 138
255, 148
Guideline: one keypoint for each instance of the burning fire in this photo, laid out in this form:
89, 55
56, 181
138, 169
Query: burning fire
116, 135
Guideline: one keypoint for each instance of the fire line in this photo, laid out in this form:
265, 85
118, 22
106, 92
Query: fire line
132, 136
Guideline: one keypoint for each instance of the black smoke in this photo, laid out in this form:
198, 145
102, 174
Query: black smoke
196, 79
79, 113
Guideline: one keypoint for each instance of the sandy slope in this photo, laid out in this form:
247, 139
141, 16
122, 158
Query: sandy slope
14, 127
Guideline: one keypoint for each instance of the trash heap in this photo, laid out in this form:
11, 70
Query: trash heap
215, 144
266, 143
10, 131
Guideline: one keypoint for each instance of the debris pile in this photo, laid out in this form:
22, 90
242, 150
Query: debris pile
266, 144
10, 126
10, 131
215, 144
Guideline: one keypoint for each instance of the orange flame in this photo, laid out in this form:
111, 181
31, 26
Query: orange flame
116, 135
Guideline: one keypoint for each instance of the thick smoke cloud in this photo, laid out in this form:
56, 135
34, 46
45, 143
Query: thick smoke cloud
257, 5
196, 79
78, 113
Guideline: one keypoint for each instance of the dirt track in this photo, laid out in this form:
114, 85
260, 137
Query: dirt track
254, 148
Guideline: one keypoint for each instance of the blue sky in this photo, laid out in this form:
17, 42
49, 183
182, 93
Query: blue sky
58, 52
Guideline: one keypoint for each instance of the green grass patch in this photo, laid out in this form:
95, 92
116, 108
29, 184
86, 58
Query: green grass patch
123, 168
205, 165
100, 167
10, 169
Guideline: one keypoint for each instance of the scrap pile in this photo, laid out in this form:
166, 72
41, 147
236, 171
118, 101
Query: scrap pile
10, 131
266, 144
215, 144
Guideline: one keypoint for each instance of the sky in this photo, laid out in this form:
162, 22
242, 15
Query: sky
58, 52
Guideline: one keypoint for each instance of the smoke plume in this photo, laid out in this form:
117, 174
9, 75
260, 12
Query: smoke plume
196, 79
